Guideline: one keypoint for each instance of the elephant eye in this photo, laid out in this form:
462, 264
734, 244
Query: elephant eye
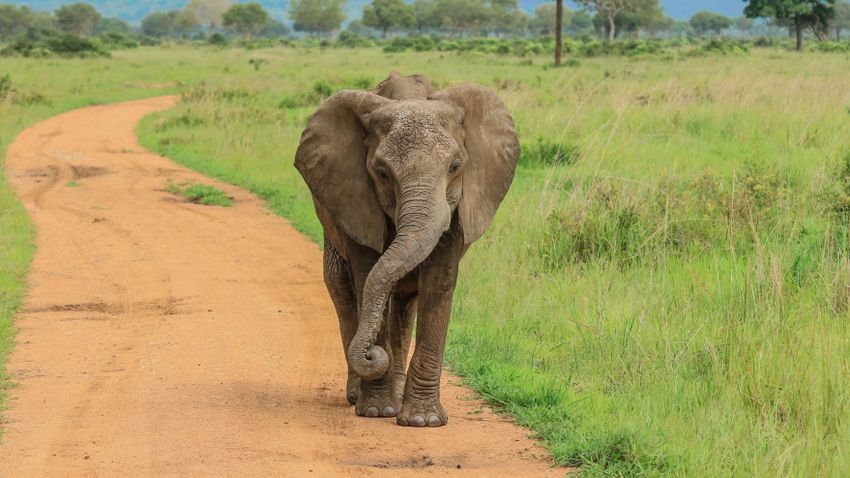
382, 173
454, 166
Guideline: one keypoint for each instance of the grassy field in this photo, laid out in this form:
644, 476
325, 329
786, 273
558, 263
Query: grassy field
666, 289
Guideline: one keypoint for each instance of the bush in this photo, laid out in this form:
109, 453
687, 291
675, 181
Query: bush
150, 41
68, 46
117, 41
353, 40
217, 39
5, 86
831, 47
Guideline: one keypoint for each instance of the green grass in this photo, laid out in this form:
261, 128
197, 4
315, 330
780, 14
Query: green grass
664, 291
200, 194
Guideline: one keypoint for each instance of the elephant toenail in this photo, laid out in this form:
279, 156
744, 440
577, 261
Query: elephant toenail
434, 421
388, 412
352, 399
417, 421
371, 412
402, 421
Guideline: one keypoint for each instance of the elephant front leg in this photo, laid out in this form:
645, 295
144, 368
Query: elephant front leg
379, 397
341, 289
383, 397
437, 280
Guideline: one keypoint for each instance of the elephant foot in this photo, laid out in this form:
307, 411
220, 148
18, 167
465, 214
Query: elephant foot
377, 399
422, 413
352, 388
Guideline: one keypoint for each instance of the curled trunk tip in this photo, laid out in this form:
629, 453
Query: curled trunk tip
370, 364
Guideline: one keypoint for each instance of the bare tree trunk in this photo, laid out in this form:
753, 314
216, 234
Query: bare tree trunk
798, 26
612, 28
559, 24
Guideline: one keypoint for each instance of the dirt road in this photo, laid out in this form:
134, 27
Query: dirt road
161, 338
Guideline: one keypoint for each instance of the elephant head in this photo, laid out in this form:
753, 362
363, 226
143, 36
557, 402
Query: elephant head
392, 173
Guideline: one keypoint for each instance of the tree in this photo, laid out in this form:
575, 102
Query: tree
245, 18
77, 18
608, 9
14, 20
462, 15
208, 12
640, 15
514, 22
274, 29
842, 18
744, 25
709, 22
316, 16
559, 30
543, 21
425, 15
112, 25
581, 23
800, 14
680, 29
662, 24
388, 15
505, 17
171, 23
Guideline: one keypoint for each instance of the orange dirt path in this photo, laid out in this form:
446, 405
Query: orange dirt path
162, 338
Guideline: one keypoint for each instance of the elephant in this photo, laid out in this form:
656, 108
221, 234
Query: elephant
403, 179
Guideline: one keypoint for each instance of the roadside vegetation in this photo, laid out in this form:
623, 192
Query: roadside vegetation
200, 193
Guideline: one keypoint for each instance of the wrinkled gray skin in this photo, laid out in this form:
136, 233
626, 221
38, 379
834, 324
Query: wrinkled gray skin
403, 179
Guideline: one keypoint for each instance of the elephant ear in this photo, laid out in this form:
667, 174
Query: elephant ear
492, 148
332, 159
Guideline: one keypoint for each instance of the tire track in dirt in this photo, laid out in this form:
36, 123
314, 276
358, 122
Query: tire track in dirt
165, 338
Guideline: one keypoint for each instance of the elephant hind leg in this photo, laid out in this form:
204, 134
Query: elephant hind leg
341, 288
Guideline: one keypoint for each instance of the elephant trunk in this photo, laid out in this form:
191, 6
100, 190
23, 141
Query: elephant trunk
422, 219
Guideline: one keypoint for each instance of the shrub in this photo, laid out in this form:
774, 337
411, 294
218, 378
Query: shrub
353, 40
117, 41
257, 63
69, 46
217, 39
5, 86
831, 47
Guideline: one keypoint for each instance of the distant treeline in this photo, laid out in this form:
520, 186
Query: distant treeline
221, 21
